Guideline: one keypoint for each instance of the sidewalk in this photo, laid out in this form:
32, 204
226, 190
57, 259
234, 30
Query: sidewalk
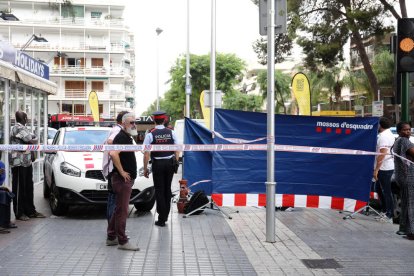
207, 244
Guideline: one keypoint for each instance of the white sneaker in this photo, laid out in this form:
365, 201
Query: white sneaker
111, 242
128, 246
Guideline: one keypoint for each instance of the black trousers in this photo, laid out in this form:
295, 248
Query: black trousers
22, 187
162, 174
4, 208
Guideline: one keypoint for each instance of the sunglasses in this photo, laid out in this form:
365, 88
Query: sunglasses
132, 123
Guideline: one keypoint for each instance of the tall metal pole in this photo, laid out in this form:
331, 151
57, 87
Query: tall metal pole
213, 64
187, 67
158, 31
7, 126
405, 117
270, 184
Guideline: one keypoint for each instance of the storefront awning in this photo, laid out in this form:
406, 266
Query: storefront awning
15, 74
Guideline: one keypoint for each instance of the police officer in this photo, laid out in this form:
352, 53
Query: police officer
163, 165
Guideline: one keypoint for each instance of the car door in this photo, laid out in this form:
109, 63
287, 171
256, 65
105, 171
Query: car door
50, 157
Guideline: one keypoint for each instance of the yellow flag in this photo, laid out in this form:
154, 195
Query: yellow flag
94, 105
301, 90
205, 110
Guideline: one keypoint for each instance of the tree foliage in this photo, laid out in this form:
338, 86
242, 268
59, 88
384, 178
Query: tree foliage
323, 27
229, 72
282, 90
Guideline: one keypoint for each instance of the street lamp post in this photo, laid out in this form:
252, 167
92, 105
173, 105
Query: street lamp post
31, 39
158, 31
187, 67
213, 65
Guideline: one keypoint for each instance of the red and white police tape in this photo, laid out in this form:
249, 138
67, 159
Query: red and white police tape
187, 147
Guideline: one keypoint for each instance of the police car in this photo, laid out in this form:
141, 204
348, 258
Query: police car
73, 178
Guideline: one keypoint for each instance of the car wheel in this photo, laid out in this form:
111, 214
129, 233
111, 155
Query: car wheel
397, 207
46, 189
56, 205
145, 206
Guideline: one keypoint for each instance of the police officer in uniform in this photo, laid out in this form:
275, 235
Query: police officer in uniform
164, 164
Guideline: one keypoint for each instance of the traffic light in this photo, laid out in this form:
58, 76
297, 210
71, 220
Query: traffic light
405, 45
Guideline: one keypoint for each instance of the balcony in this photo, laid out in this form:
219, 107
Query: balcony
71, 46
91, 71
76, 70
69, 22
112, 95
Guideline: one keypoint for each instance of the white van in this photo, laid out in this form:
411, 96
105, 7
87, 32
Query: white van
179, 130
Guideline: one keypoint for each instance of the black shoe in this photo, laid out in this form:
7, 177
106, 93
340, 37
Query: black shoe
22, 217
160, 223
401, 233
4, 230
37, 215
409, 237
10, 225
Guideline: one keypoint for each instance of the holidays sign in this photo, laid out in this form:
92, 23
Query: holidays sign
9, 54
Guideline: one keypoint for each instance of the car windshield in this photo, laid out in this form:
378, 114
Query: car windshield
51, 133
85, 137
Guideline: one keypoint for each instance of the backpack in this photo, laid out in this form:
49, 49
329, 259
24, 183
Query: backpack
197, 200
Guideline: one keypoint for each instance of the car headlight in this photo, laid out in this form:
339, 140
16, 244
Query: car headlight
69, 169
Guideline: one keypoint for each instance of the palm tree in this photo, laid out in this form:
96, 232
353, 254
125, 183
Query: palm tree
282, 90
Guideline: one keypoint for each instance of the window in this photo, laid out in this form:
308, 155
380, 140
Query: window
75, 89
59, 61
66, 108
96, 15
97, 86
79, 85
72, 11
72, 62
100, 108
97, 62
85, 137
79, 109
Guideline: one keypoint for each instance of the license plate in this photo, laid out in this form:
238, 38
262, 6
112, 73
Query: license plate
102, 186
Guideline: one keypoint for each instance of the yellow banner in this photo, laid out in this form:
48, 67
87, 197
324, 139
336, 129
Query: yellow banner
205, 110
301, 90
94, 105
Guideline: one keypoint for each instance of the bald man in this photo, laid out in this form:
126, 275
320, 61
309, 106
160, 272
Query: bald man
22, 171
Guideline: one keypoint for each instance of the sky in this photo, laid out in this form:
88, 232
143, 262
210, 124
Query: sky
237, 28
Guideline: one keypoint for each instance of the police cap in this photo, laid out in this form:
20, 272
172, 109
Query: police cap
159, 114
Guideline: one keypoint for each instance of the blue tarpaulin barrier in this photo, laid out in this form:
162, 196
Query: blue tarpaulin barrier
342, 176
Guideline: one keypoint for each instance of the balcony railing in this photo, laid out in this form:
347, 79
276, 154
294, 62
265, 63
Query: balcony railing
102, 95
72, 70
77, 46
69, 21
101, 71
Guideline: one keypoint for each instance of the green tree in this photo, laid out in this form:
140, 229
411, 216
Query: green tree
383, 67
229, 71
322, 27
282, 91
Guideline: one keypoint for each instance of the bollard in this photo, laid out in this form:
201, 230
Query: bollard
183, 200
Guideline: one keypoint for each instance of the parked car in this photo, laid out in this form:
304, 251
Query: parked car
73, 178
51, 132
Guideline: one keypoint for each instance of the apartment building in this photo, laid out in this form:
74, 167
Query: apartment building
86, 45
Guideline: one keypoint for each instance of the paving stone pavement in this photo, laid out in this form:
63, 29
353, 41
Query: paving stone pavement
207, 244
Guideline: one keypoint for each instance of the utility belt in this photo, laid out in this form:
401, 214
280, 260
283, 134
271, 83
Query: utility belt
172, 160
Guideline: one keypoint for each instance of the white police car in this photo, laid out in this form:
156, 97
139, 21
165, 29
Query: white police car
73, 178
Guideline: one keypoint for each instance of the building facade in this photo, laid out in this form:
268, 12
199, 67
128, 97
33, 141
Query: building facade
86, 45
